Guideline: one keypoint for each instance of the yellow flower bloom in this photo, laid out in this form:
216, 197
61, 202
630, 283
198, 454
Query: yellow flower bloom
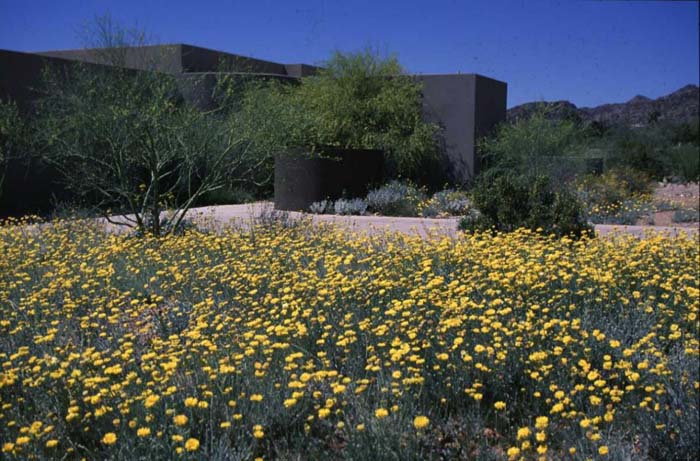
109, 438
258, 432
381, 413
420, 422
541, 422
192, 444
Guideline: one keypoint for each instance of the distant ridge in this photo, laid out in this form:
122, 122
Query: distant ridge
683, 105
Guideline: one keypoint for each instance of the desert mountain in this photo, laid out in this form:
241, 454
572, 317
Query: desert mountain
682, 105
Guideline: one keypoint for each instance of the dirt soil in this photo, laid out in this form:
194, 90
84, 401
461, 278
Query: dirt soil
680, 196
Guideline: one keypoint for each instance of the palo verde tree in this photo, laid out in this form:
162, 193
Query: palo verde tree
127, 140
357, 100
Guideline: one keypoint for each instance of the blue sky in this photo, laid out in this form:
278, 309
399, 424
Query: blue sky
589, 52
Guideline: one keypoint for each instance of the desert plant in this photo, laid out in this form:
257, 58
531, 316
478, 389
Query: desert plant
357, 101
14, 136
507, 201
126, 138
355, 206
324, 206
447, 202
682, 162
533, 145
396, 198
686, 215
618, 196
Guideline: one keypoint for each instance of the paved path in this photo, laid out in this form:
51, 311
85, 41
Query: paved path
243, 215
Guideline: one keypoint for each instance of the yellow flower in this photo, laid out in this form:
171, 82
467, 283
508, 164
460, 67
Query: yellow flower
51, 443
22, 440
523, 433
192, 444
541, 422
420, 422
513, 452
381, 413
499, 405
143, 432
109, 438
258, 432
603, 450
151, 400
180, 420
323, 413
360, 427
191, 402
256, 398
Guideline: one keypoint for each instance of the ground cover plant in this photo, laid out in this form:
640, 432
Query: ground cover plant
298, 342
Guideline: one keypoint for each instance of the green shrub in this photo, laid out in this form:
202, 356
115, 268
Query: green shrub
682, 162
507, 201
448, 202
357, 101
686, 215
660, 150
618, 196
14, 136
396, 198
534, 145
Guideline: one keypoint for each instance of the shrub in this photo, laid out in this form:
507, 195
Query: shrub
357, 101
682, 162
448, 202
533, 145
395, 198
322, 207
355, 206
507, 201
660, 150
14, 136
618, 196
685, 216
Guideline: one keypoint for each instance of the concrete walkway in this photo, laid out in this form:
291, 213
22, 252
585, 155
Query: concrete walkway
244, 215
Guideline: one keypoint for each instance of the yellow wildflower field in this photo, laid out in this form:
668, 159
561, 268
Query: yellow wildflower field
304, 342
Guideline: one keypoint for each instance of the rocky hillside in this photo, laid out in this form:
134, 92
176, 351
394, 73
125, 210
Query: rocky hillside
680, 106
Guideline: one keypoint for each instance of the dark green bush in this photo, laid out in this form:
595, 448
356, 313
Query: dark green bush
357, 101
535, 145
507, 201
660, 150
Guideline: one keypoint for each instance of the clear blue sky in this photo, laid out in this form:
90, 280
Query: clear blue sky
589, 52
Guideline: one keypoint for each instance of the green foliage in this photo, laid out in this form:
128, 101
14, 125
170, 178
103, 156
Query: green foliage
396, 198
359, 100
533, 145
507, 201
618, 196
683, 162
14, 136
127, 140
686, 215
447, 202
660, 150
